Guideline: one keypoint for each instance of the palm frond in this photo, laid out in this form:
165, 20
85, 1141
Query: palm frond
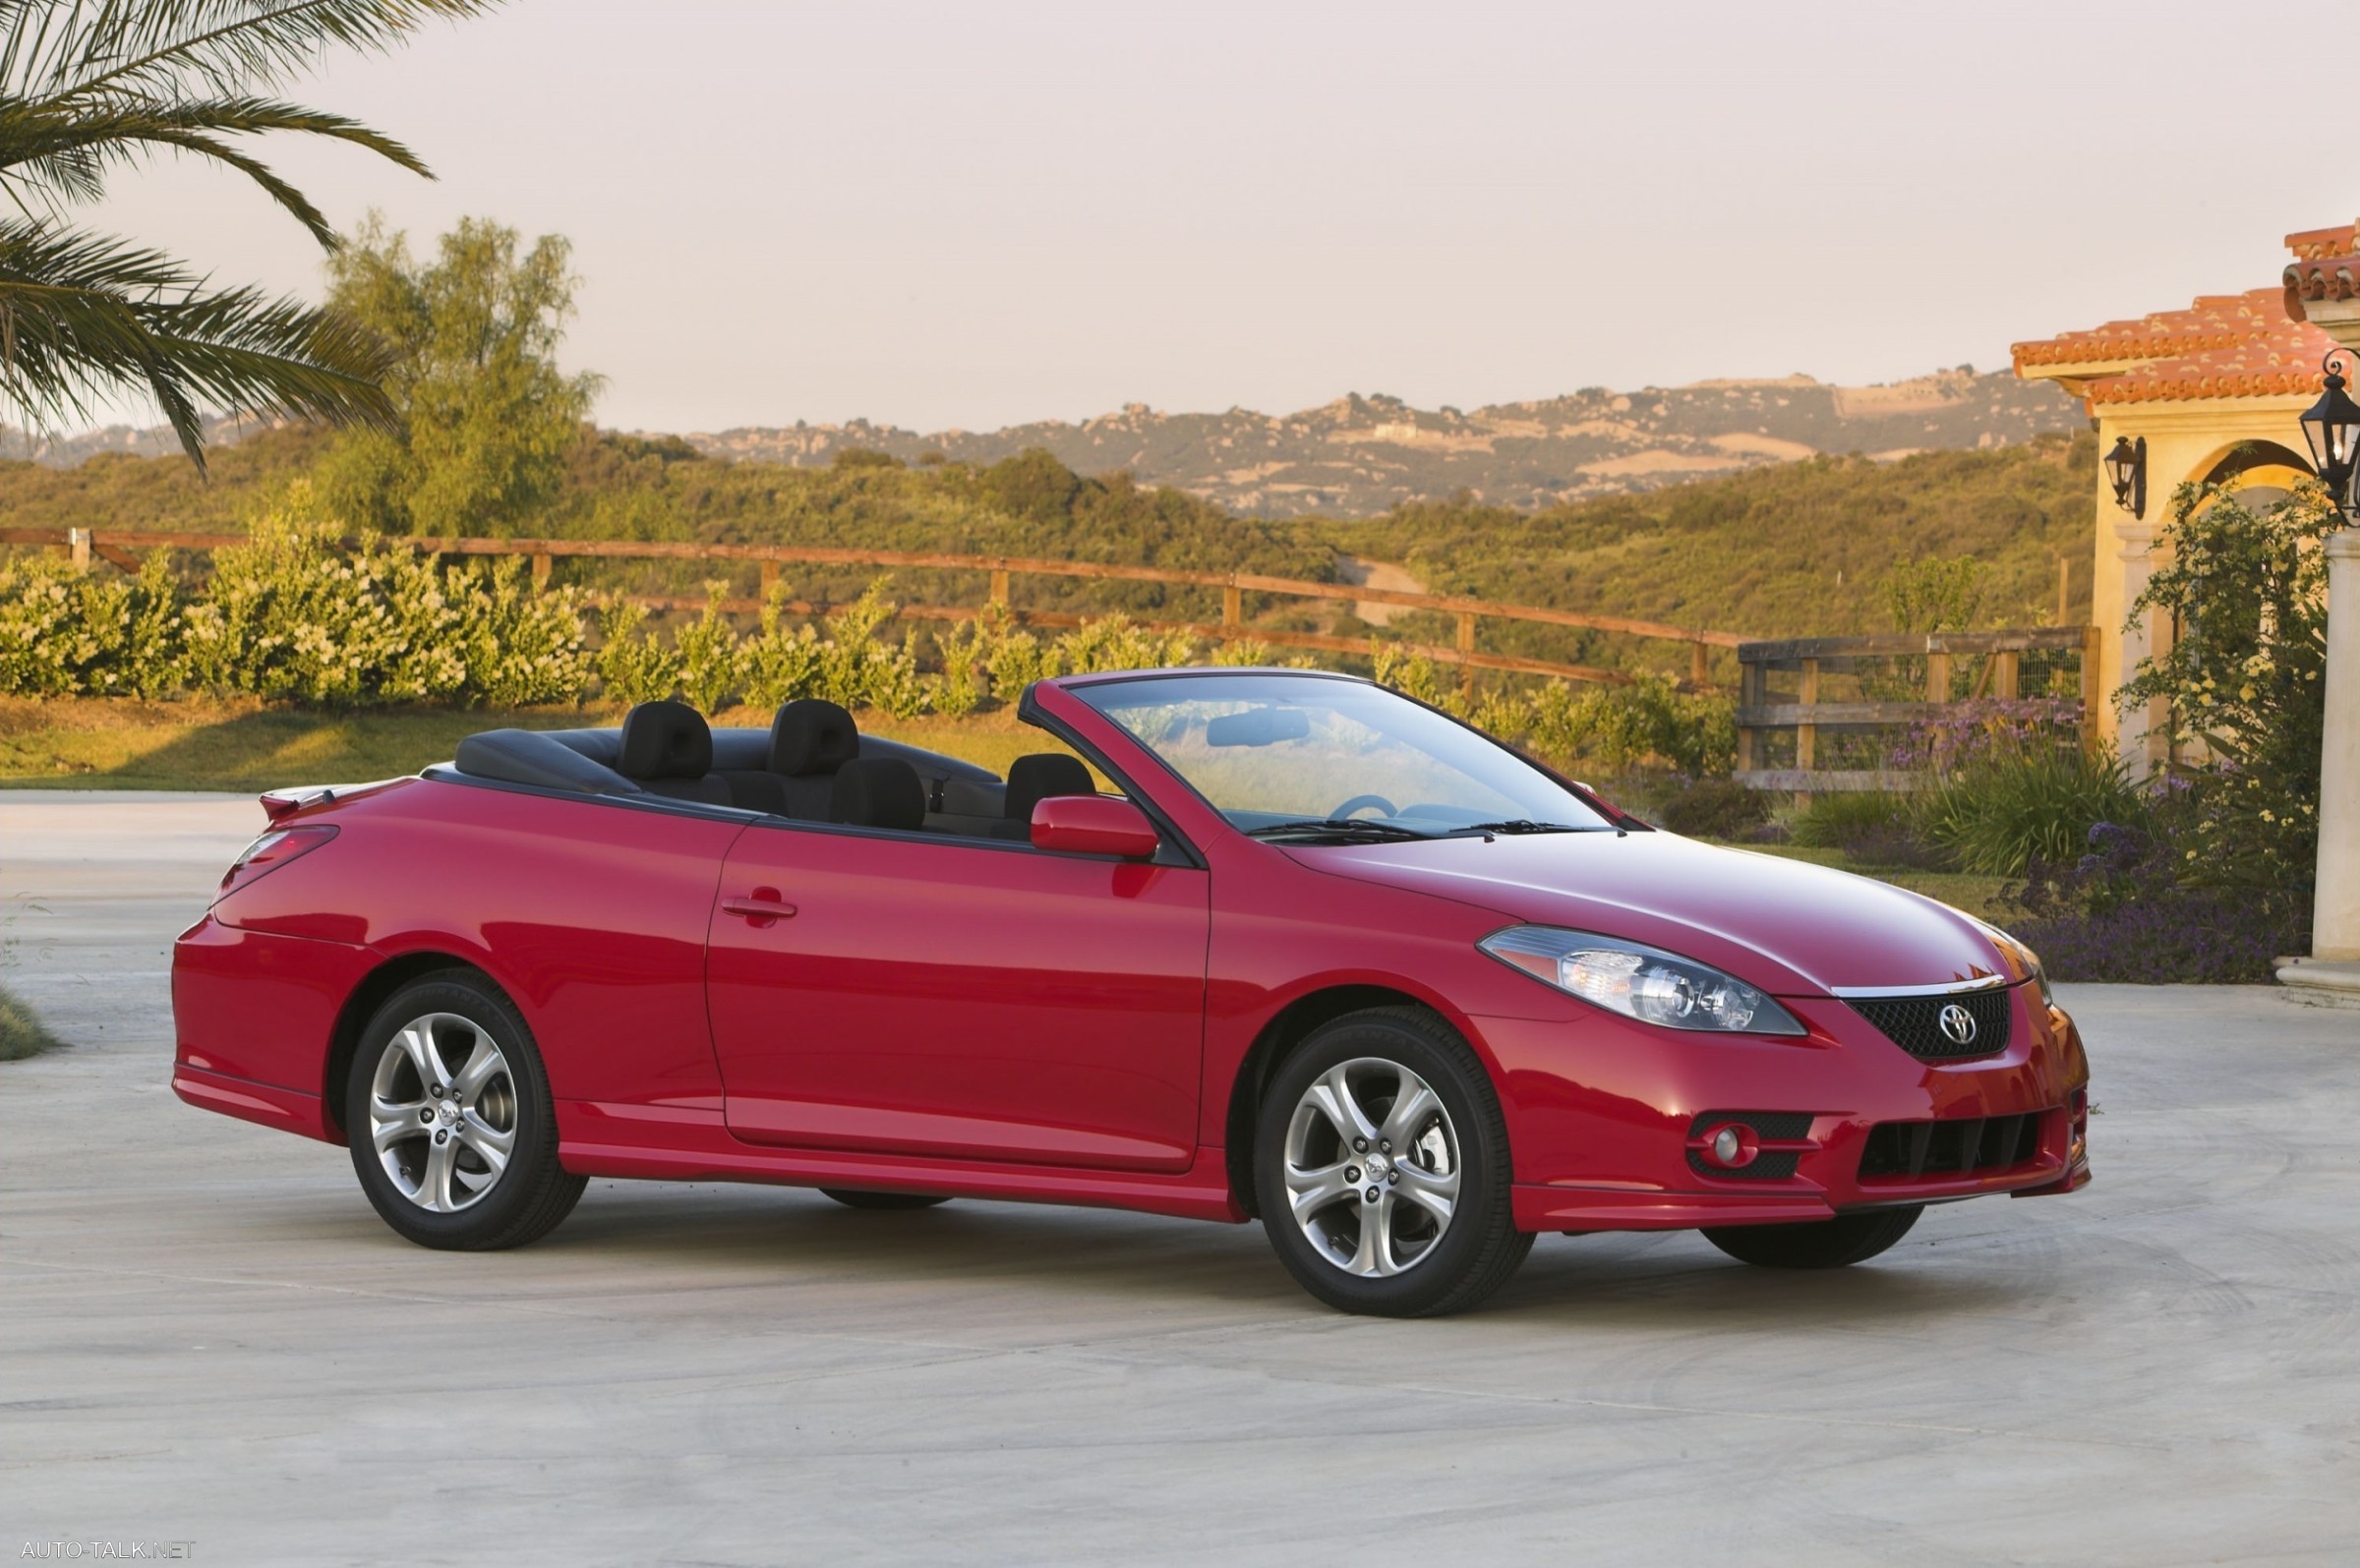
175, 46
84, 318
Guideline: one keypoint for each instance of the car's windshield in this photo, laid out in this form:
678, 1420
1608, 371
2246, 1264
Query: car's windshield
1305, 757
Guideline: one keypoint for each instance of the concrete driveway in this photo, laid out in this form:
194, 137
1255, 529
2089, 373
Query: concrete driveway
208, 1337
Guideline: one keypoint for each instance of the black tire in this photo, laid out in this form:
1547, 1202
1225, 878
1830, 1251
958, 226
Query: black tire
1840, 1243
856, 1197
531, 1194
1476, 1252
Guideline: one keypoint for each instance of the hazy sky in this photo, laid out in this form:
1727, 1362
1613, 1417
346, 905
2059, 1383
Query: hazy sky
977, 215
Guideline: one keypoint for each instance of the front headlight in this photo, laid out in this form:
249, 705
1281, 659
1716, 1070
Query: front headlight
1640, 982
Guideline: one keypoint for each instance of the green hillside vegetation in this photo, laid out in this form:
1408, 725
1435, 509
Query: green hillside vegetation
1803, 548
1800, 549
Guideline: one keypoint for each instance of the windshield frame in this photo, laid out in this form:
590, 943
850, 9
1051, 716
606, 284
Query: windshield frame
1610, 818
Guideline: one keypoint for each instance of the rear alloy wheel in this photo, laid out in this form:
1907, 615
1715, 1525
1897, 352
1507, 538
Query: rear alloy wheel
449, 1119
1381, 1168
855, 1198
1839, 1243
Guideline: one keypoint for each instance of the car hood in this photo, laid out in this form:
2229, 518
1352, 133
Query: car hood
1790, 928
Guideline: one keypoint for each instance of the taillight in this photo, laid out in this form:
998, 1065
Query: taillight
272, 850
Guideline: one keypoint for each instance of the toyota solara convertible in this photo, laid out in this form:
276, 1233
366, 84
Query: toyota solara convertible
1234, 945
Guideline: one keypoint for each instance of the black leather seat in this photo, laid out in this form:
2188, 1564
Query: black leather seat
809, 740
668, 750
1034, 778
877, 793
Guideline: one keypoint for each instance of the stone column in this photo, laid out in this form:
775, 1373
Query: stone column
2332, 971
2336, 920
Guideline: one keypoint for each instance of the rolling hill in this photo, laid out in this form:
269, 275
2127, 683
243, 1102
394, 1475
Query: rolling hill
1361, 457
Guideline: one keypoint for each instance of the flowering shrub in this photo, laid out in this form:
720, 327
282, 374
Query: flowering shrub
2245, 682
779, 665
65, 633
2120, 911
1968, 731
712, 663
632, 666
301, 612
523, 645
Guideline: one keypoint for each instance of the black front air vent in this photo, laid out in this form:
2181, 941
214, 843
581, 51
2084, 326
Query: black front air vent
1918, 1025
1770, 1126
1913, 1151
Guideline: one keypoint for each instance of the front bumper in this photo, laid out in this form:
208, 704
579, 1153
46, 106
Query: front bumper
1602, 1116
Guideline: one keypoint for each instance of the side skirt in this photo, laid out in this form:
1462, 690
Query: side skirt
680, 1143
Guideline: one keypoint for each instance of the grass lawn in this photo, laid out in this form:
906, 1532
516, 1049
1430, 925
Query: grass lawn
97, 744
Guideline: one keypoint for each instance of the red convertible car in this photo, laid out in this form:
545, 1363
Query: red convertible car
1320, 956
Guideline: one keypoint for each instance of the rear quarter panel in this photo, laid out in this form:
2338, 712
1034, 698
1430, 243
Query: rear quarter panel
591, 915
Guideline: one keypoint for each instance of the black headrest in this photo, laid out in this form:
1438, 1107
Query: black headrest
1034, 778
878, 792
810, 737
665, 740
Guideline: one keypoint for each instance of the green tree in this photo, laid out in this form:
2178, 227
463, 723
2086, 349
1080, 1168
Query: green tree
1932, 594
488, 417
90, 87
2245, 680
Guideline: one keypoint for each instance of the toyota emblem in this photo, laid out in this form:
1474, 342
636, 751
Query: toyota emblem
1958, 1024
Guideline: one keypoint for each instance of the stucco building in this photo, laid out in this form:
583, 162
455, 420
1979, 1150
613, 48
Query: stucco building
2214, 391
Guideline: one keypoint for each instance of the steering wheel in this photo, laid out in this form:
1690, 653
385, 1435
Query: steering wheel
1362, 803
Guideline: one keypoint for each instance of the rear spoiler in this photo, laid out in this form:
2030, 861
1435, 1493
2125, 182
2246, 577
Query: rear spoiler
290, 799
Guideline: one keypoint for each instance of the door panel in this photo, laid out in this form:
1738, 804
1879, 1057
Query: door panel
961, 998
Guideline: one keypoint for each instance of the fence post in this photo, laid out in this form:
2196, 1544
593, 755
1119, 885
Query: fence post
1698, 670
1937, 676
542, 562
999, 586
1750, 694
2005, 673
1233, 609
1466, 646
78, 547
1807, 733
770, 580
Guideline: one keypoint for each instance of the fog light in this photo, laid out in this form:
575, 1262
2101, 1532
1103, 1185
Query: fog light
1731, 1146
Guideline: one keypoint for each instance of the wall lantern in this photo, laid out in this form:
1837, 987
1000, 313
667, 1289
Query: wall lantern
2332, 427
2126, 471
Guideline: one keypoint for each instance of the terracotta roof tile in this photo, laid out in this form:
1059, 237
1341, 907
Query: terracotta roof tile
2213, 321
2318, 245
2255, 344
2327, 277
2278, 360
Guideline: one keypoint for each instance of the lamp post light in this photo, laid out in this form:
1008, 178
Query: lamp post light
2332, 426
2126, 471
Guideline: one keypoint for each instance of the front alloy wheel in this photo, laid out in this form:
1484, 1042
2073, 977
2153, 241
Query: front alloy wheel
1372, 1166
1381, 1168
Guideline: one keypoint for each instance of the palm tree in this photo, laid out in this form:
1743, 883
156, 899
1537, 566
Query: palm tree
88, 87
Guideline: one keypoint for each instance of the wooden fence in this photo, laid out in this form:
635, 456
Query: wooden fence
123, 548
1810, 658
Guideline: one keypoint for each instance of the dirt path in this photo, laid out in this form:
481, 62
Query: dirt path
1377, 574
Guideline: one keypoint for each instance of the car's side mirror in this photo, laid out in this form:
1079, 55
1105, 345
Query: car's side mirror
1094, 825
